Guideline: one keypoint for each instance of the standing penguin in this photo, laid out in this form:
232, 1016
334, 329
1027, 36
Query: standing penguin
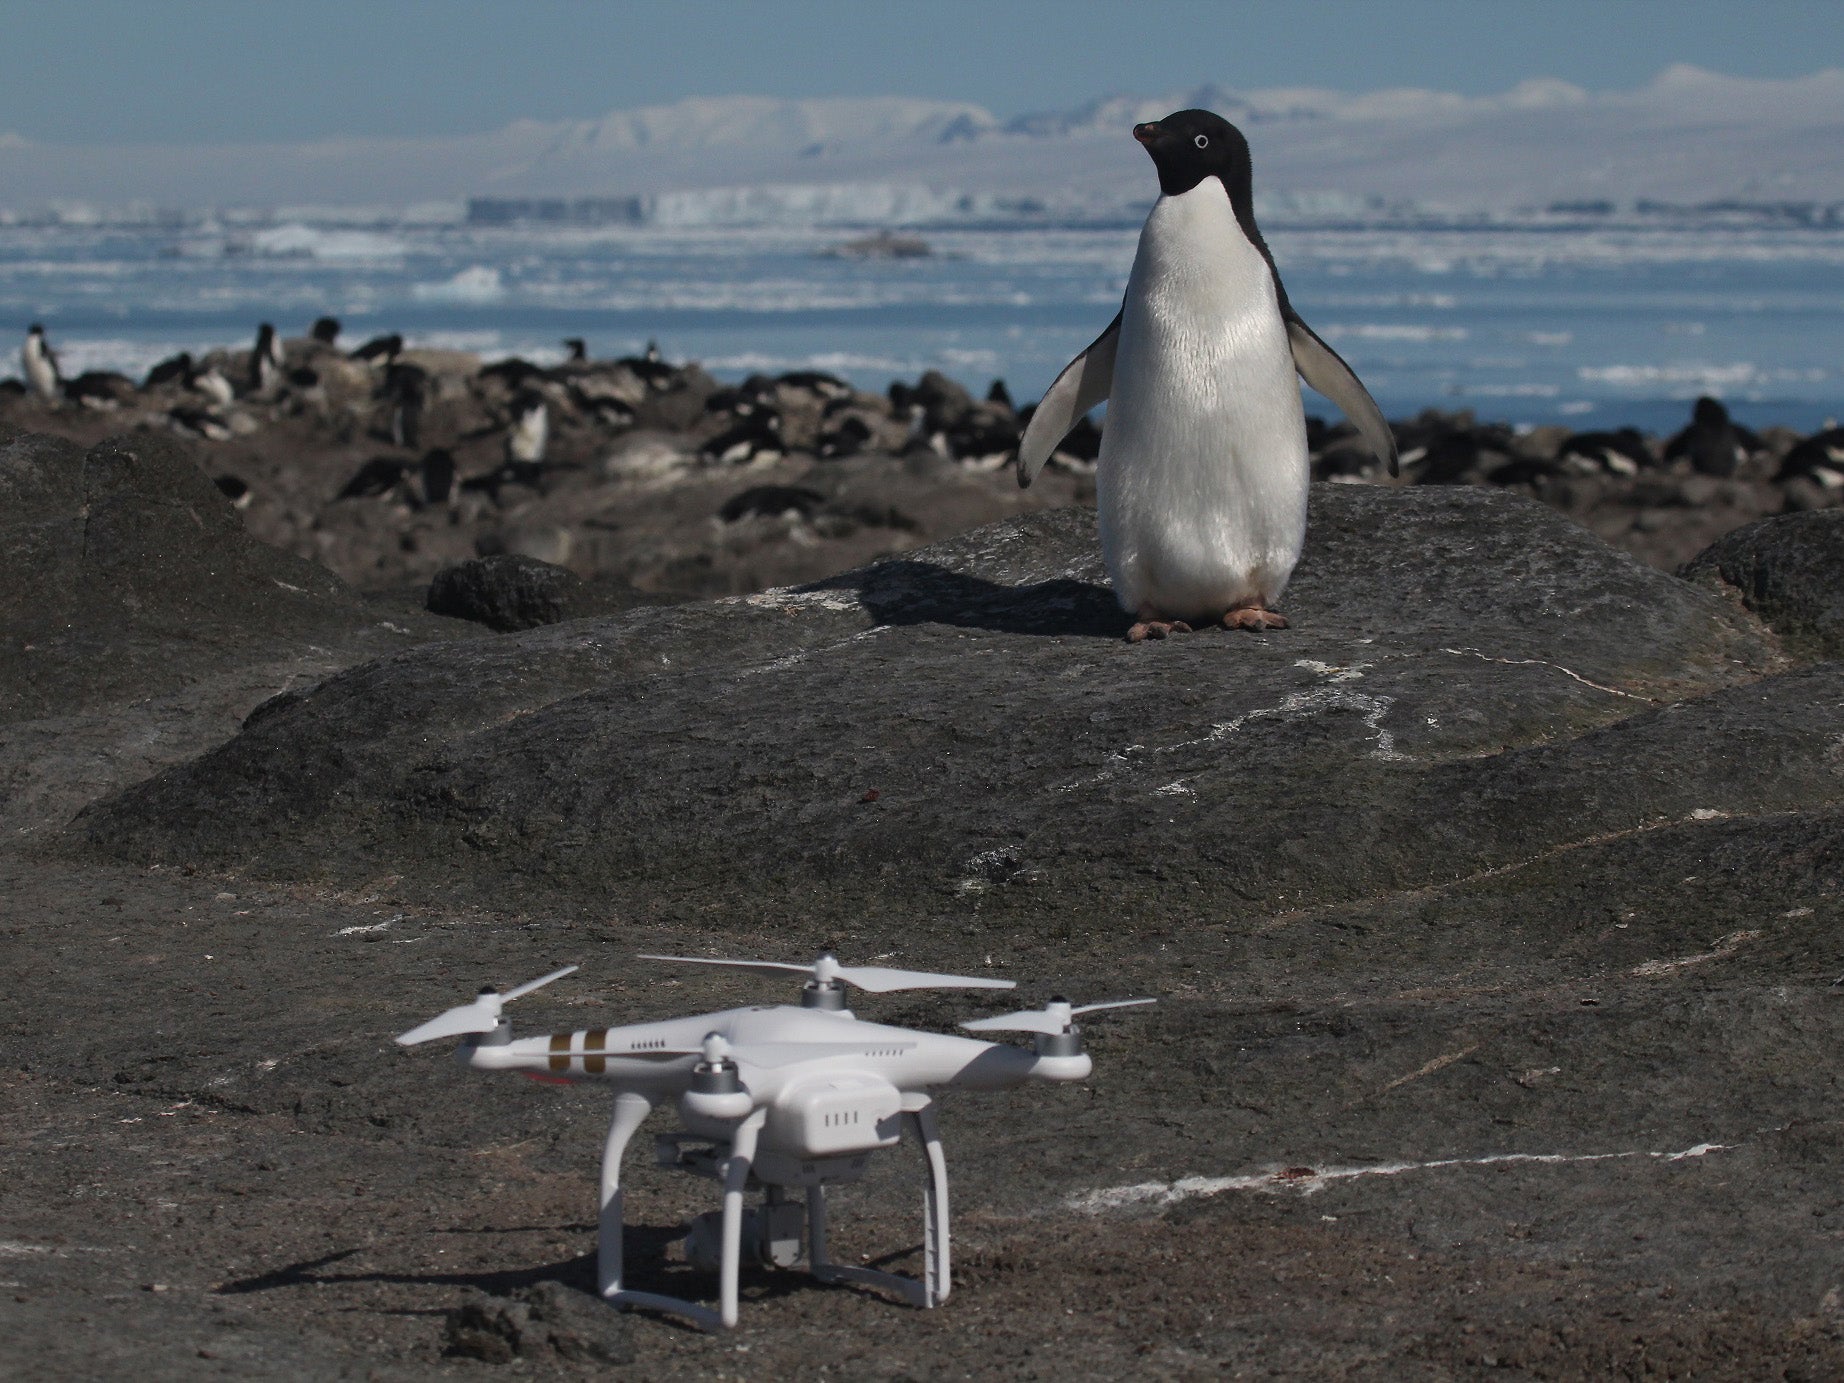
531, 428
1203, 474
41, 365
265, 360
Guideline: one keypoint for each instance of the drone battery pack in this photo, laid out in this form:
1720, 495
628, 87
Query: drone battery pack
836, 1114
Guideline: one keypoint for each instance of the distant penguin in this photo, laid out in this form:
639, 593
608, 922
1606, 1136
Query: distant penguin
531, 428
379, 476
513, 372
210, 382
756, 437
1819, 458
771, 502
265, 361
1460, 453
1203, 474
305, 392
407, 388
234, 489
200, 423
438, 478
380, 350
594, 398
849, 436
1621, 452
41, 365
1713, 444
101, 390
578, 350
828, 388
651, 367
175, 369
325, 330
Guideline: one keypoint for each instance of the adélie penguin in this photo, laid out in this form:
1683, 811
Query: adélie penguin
1202, 479
41, 365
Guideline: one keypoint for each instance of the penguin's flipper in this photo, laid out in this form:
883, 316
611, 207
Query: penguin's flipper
1085, 382
1322, 367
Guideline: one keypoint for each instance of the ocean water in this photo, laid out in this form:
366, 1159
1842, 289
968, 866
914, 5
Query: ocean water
1593, 326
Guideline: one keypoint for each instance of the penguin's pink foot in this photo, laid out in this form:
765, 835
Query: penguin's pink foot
1254, 617
1150, 626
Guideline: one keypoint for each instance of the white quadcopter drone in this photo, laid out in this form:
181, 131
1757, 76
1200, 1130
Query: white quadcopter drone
776, 1097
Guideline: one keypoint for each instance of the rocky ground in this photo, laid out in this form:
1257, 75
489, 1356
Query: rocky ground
1493, 910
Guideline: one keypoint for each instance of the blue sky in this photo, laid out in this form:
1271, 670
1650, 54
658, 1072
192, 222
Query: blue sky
185, 71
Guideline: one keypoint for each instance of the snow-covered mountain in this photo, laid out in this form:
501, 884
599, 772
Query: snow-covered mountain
1687, 138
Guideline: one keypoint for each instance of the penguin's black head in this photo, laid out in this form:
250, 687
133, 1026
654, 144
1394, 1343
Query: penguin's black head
1709, 412
1191, 145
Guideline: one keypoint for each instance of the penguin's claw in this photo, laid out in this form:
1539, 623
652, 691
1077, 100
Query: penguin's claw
1156, 629
1255, 618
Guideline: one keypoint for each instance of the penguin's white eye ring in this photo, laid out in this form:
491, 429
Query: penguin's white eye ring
1202, 141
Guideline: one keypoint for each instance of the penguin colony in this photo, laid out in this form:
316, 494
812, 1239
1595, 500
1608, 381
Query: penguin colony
449, 431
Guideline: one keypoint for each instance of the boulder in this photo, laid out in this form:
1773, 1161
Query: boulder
544, 1322
506, 592
1789, 570
511, 591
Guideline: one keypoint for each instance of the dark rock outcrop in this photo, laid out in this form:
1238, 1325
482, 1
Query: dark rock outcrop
505, 592
139, 622
1471, 683
1789, 570
544, 1322
128, 573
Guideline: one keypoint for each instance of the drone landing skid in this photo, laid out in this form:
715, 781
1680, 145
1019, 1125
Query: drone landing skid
734, 1165
932, 1290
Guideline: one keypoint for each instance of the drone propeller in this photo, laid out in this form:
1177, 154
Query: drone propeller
1057, 1016
876, 979
482, 1015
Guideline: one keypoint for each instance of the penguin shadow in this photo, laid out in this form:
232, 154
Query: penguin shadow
905, 592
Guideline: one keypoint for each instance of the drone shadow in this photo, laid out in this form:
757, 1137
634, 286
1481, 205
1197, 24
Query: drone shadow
904, 592
647, 1269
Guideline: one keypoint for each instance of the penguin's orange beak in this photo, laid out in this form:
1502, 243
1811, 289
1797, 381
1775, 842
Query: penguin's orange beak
1148, 132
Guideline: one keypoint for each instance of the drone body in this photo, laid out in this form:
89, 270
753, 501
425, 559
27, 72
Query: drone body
779, 1098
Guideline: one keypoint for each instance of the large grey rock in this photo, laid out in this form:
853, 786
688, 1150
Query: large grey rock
1471, 682
127, 574
1789, 570
139, 622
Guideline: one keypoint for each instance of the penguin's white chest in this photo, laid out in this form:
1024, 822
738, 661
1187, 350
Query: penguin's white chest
40, 372
529, 435
1203, 472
